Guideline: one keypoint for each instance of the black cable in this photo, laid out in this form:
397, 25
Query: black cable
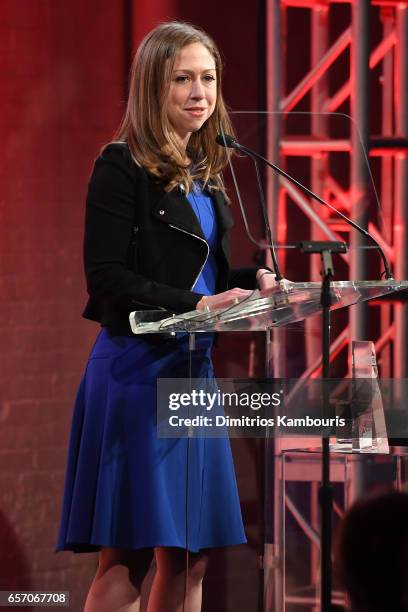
266, 221
228, 141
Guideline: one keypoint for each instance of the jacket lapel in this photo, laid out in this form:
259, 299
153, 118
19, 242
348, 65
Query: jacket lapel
173, 208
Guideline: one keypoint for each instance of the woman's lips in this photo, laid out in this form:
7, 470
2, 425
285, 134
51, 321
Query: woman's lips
197, 112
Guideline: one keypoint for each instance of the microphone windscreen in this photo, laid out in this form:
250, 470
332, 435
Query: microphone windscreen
225, 140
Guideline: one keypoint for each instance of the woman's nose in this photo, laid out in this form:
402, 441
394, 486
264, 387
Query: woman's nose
197, 90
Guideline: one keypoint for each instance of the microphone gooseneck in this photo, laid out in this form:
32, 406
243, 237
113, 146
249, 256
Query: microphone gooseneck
225, 140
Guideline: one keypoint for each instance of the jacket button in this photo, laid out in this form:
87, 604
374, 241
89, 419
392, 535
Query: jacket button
161, 212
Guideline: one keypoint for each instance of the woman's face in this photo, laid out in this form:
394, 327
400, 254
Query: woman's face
193, 90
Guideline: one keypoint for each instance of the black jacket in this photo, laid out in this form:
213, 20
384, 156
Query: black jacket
144, 247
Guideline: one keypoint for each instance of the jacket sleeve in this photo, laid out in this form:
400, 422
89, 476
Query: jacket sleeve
109, 220
245, 278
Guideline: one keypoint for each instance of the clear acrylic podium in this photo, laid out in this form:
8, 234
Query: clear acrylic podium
285, 304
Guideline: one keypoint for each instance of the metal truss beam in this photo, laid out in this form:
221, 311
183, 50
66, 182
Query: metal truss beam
390, 222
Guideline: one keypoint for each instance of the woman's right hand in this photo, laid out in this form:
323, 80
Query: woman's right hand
224, 299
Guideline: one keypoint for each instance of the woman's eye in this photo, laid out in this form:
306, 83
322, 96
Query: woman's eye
209, 78
182, 78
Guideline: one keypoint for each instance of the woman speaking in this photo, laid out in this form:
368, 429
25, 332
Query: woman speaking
156, 237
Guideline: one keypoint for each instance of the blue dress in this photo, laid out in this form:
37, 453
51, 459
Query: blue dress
124, 486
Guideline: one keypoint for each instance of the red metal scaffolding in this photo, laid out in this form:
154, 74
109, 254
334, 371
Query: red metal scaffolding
316, 91
391, 145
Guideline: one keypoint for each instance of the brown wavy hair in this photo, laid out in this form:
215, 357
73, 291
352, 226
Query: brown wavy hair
145, 126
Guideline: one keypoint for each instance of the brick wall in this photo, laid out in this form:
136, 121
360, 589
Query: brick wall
62, 86
64, 65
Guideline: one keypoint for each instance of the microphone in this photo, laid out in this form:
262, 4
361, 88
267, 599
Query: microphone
225, 140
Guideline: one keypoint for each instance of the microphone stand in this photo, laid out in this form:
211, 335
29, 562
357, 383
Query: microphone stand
325, 249
326, 490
